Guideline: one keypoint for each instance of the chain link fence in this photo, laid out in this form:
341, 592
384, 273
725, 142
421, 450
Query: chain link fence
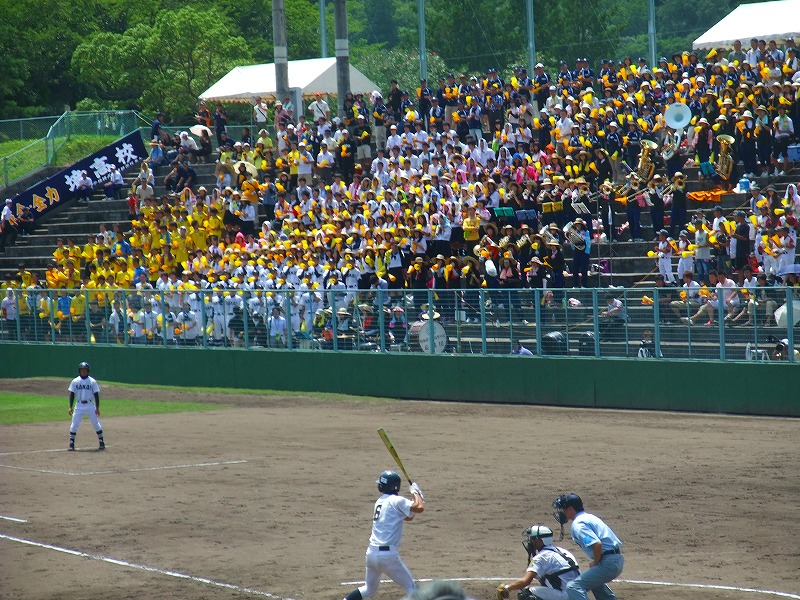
47, 135
759, 325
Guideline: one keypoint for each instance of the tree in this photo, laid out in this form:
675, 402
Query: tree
381, 66
163, 67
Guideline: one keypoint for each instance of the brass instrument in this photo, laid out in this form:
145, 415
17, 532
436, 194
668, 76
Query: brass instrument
504, 242
486, 242
520, 243
548, 238
677, 116
646, 167
574, 237
724, 164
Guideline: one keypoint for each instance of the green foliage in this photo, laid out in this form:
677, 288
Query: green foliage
381, 66
160, 54
163, 67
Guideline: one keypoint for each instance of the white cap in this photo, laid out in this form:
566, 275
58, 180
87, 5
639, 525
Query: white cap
539, 65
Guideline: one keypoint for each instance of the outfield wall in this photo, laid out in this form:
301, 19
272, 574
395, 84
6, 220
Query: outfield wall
698, 386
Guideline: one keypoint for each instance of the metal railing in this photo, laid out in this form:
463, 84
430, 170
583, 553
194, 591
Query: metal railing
42, 151
644, 323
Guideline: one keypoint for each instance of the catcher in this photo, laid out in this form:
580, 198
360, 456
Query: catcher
552, 568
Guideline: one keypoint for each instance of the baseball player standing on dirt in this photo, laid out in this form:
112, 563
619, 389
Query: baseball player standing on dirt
551, 566
391, 511
84, 394
599, 543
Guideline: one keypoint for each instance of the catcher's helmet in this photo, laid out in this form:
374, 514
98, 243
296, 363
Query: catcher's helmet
542, 532
83, 365
564, 501
389, 482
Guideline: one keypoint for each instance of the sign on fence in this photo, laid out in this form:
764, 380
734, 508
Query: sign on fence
63, 186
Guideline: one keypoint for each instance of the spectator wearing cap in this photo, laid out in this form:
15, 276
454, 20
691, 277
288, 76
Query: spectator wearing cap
380, 114
220, 124
362, 135
541, 86
319, 108
84, 188
114, 185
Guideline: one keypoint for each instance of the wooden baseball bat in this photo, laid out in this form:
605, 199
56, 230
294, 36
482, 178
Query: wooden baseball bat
393, 452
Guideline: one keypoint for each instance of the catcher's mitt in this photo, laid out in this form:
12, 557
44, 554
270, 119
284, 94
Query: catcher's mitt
502, 592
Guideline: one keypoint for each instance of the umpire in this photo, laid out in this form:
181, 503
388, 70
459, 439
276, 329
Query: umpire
599, 543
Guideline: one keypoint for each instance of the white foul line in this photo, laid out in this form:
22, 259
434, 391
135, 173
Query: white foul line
707, 586
33, 451
123, 563
13, 519
137, 470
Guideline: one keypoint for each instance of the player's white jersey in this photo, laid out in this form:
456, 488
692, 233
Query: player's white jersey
391, 511
84, 389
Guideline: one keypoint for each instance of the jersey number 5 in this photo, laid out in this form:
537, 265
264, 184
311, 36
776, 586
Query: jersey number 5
377, 512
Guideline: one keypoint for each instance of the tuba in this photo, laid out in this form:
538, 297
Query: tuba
646, 167
574, 237
677, 116
724, 164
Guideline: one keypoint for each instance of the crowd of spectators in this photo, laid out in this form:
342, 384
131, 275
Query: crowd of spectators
474, 182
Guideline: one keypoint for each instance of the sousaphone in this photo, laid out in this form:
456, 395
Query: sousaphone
677, 116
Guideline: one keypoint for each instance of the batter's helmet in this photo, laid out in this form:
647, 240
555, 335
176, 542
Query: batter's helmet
389, 482
83, 365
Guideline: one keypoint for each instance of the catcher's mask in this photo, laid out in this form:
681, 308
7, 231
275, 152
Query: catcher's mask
534, 532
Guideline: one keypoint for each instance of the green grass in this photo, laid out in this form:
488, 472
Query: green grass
34, 157
16, 408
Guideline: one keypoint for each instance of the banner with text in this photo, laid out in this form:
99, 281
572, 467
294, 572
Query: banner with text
63, 186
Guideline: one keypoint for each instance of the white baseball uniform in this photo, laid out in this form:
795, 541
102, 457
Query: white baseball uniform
84, 390
390, 513
552, 566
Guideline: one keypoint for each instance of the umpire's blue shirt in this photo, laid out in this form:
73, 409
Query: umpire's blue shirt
588, 529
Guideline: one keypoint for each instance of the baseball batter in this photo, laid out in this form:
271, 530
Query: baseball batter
549, 566
391, 511
84, 399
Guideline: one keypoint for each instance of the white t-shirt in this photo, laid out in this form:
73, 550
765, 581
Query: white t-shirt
84, 389
390, 513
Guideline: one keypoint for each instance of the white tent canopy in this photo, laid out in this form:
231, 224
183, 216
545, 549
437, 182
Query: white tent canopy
764, 20
242, 84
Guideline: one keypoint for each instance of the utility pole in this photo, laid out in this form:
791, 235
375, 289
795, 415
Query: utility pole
651, 31
323, 30
281, 52
531, 37
342, 52
423, 51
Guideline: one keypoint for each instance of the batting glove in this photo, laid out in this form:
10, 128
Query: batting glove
414, 489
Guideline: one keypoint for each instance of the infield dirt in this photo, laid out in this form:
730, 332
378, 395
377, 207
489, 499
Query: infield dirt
695, 498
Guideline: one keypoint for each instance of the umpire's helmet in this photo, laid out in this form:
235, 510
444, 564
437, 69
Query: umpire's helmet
565, 501
389, 482
83, 365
